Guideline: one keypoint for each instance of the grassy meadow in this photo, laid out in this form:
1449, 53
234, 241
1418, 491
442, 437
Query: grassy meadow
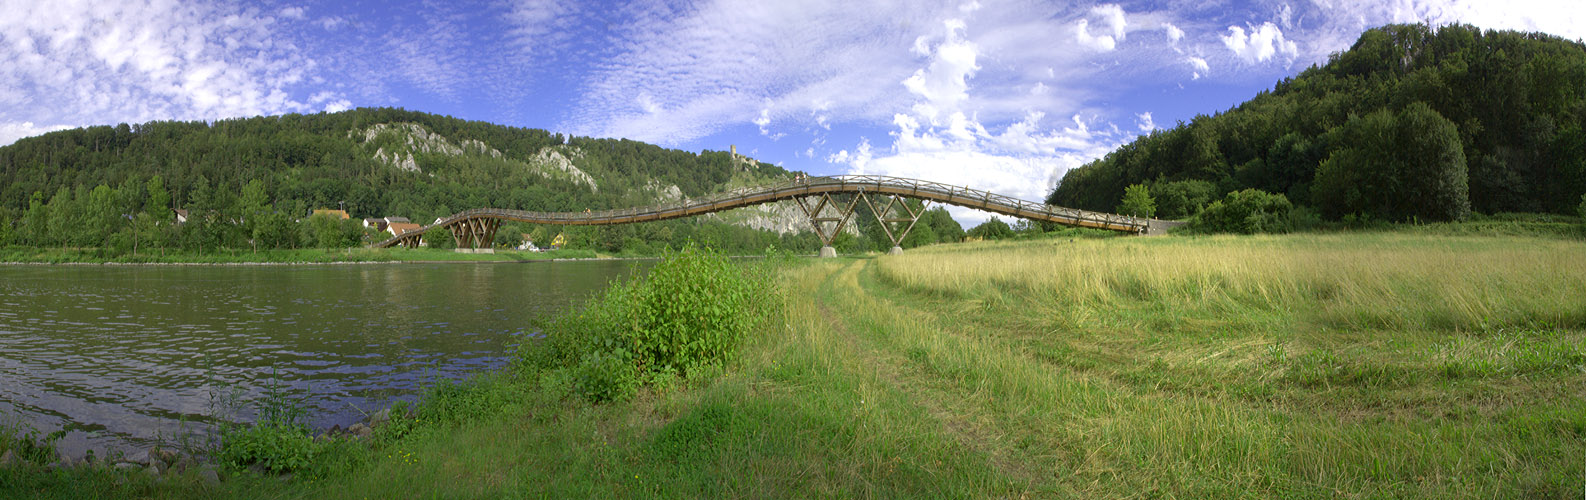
1354, 365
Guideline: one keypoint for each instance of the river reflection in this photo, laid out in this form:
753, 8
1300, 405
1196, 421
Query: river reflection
121, 356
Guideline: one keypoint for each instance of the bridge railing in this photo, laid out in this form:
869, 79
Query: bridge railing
954, 194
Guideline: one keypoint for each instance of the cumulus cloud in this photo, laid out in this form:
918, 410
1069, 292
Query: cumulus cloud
293, 13
1111, 26
944, 85
1174, 34
1199, 67
136, 61
942, 139
11, 131
1146, 124
1260, 44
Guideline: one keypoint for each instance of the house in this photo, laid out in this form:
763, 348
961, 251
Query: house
181, 215
340, 214
376, 224
392, 218
397, 228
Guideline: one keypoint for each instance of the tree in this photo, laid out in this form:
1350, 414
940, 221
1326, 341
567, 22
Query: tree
159, 203
36, 220
1395, 167
1180, 199
942, 224
62, 217
993, 229
101, 217
1137, 202
1249, 211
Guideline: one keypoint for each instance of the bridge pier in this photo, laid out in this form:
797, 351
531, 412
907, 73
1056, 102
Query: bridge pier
822, 203
892, 224
475, 234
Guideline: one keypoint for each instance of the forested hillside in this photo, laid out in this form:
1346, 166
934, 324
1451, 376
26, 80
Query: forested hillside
251, 183
1410, 123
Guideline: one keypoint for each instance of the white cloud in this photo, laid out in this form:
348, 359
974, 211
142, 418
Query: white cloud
136, 61
292, 13
943, 86
11, 131
1199, 65
1111, 19
1146, 124
331, 23
1174, 34
1260, 44
941, 139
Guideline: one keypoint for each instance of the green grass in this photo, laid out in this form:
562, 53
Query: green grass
1357, 365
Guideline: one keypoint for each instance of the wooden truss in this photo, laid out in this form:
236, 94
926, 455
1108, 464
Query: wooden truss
896, 225
819, 222
478, 232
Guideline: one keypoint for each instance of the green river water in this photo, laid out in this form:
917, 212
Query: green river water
124, 356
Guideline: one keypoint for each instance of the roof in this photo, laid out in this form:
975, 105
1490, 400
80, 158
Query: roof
397, 228
335, 213
394, 218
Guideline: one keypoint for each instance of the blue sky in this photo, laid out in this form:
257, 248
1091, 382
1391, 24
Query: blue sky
996, 95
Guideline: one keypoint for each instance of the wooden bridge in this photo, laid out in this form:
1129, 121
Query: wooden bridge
819, 197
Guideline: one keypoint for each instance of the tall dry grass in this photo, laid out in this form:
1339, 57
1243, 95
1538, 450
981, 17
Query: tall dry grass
1350, 282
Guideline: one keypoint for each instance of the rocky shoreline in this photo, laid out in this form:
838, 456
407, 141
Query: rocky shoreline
160, 461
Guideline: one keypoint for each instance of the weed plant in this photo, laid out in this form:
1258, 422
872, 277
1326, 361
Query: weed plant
685, 315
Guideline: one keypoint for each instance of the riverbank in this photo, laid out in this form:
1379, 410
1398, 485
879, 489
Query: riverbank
1355, 365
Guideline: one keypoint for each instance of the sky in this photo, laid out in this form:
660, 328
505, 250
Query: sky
997, 95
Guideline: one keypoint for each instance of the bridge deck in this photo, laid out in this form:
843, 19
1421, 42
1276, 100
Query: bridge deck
814, 186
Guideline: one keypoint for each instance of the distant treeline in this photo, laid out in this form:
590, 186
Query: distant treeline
1409, 124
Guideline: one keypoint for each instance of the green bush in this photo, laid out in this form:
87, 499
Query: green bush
688, 313
1249, 211
280, 441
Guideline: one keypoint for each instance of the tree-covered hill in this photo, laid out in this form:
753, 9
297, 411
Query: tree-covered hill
250, 183
372, 161
1411, 123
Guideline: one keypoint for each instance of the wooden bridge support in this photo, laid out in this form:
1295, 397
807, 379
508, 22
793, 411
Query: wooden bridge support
475, 234
819, 222
887, 218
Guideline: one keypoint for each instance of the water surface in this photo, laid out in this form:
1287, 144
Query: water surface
123, 356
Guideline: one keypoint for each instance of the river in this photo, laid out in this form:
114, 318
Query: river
123, 357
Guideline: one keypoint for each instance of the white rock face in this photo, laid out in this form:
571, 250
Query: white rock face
552, 158
554, 162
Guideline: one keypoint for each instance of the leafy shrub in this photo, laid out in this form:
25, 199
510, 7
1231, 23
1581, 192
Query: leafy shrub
1249, 211
687, 314
280, 441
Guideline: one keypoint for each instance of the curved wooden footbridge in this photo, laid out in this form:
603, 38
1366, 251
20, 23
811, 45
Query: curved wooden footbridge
821, 199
